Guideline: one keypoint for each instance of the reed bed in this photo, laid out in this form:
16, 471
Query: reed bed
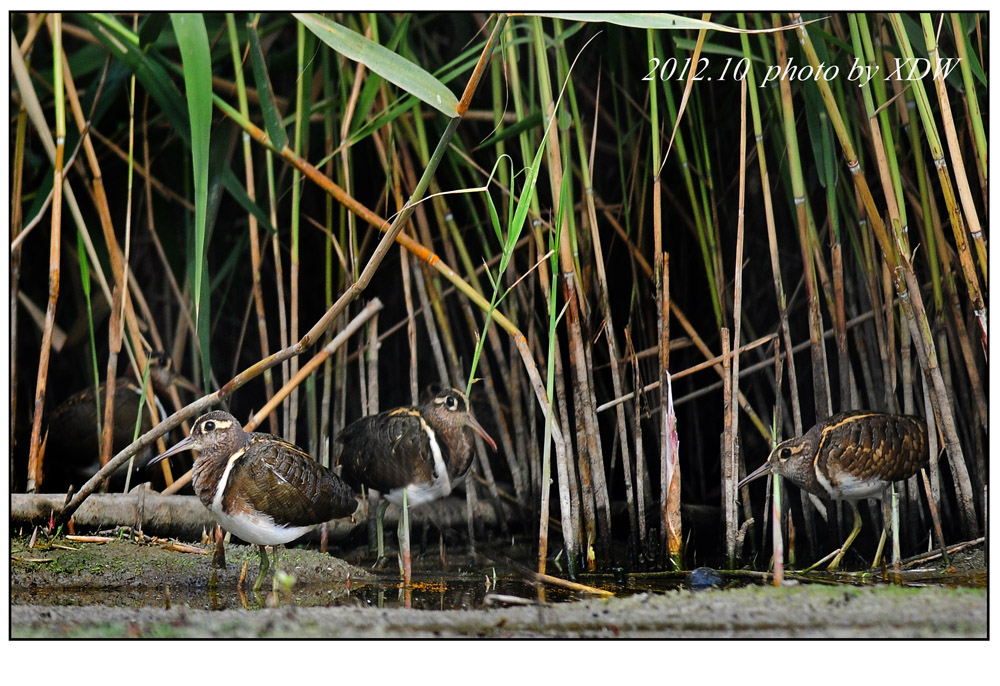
647, 245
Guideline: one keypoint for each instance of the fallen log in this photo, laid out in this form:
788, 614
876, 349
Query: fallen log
184, 517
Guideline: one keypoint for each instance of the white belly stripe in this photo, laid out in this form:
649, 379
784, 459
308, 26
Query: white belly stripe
823, 481
440, 486
224, 481
441, 479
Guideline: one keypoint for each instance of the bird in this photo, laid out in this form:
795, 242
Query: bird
423, 451
260, 487
850, 456
72, 442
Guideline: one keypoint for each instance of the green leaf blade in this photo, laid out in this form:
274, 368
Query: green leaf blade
192, 39
268, 103
387, 64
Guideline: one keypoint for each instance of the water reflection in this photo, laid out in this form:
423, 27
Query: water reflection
440, 592
434, 591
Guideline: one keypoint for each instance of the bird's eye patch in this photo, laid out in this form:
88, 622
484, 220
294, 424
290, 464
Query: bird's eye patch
209, 425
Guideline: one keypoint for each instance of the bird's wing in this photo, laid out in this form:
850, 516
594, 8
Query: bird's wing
876, 445
389, 450
288, 480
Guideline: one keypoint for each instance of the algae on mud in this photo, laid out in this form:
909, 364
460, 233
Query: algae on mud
125, 564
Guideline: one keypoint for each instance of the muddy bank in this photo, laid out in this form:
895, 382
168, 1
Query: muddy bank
71, 589
755, 612
121, 564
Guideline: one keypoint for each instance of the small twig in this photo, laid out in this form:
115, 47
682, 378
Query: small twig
547, 578
497, 598
91, 539
571, 585
178, 484
692, 369
14, 244
926, 557
185, 548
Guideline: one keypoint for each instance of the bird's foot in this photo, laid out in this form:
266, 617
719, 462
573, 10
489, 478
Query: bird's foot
835, 565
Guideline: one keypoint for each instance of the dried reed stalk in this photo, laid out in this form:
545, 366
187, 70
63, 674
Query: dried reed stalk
55, 239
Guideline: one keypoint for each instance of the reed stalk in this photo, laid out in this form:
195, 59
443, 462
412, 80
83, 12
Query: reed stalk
583, 400
730, 469
979, 134
933, 140
16, 218
55, 239
951, 136
820, 378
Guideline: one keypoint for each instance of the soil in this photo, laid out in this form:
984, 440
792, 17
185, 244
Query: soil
120, 589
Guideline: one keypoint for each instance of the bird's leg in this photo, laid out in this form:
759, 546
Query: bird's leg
850, 538
263, 567
431, 520
380, 533
404, 542
888, 504
880, 550
894, 519
219, 556
441, 553
274, 574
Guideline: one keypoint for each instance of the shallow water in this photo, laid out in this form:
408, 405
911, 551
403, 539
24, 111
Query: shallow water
451, 592
437, 591
122, 588
125, 574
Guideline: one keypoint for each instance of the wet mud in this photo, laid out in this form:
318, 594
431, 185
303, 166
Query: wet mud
119, 589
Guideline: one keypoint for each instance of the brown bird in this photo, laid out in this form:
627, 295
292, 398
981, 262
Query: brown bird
850, 456
260, 487
424, 451
72, 445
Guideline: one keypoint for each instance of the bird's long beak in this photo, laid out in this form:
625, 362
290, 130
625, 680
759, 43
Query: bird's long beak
759, 472
185, 384
185, 444
481, 431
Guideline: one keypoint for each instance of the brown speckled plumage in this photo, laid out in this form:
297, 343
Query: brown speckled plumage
851, 455
393, 450
868, 446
